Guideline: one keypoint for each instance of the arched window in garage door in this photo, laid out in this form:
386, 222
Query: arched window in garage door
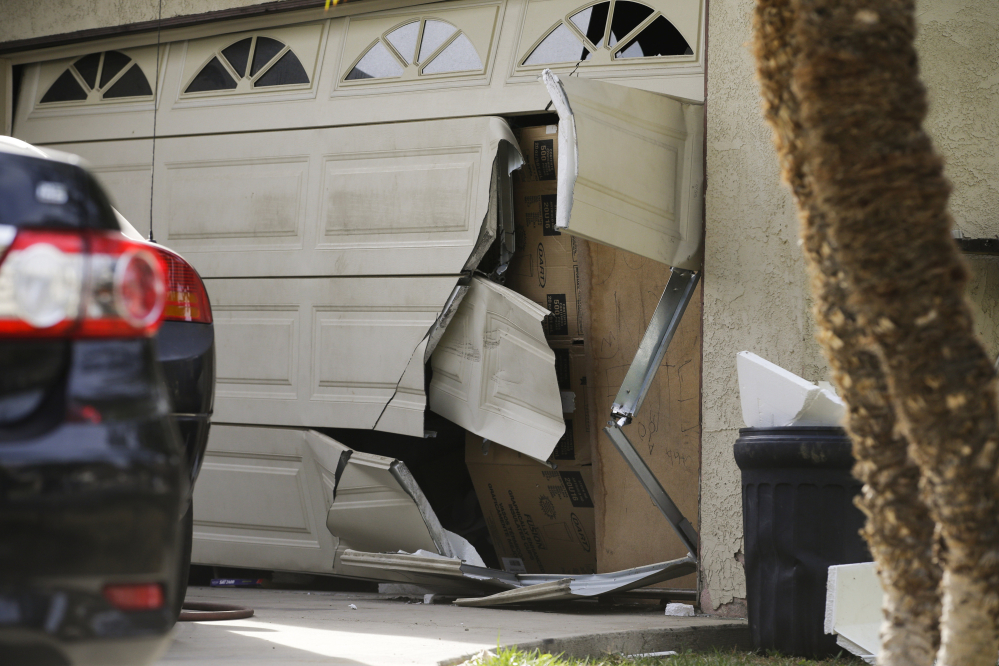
99, 76
623, 28
426, 46
252, 62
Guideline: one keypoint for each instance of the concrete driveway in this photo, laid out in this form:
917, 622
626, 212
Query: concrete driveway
299, 627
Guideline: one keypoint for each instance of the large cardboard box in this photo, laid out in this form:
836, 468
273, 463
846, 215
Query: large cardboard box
539, 146
545, 267
576, 445
541, 520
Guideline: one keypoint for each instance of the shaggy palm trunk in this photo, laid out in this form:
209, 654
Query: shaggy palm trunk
874, 186
899, 529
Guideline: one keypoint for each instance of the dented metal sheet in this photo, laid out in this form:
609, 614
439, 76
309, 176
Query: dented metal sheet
379, 507
494, 373
630, 170
435, 571
558, 587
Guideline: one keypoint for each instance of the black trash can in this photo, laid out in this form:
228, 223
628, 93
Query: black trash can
798, 519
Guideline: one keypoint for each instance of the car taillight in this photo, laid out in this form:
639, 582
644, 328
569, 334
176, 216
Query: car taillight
186, 299
80, 284
135, 597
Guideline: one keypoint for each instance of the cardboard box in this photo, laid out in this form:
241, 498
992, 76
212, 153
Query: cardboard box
576, 445
545, 265
541, 520
539, 146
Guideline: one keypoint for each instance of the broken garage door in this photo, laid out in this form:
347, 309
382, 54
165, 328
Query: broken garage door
295, 500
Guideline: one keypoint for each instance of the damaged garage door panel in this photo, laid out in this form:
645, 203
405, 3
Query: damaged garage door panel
380, 507
322, 352
294, 500
262, 497
630, 170
394, 199
494, 373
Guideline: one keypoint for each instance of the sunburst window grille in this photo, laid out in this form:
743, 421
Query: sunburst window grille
618, 29
99, 76
251, 62
419, 47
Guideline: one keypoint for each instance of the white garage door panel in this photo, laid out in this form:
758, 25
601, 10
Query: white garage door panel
398, 199
125, 170
630, 169
262, 497
322, 352
494, 373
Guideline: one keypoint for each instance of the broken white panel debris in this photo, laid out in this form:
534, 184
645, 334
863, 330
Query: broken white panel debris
262, 497
773, 397
442, 574
630, 172
680, 610
379, 507
322, 352
853, 608
552, 587
494, 373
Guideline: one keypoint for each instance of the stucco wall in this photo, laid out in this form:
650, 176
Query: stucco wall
26, 20
755, 294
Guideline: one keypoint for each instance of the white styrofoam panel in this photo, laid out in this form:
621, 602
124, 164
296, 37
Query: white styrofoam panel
630, 173
853, 608
773, 397
494, 373
318, 352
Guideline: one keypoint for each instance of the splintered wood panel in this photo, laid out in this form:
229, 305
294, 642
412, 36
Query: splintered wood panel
631, 531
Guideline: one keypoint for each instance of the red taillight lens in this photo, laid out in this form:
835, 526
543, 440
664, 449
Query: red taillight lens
186, 299
83, 284
135, 597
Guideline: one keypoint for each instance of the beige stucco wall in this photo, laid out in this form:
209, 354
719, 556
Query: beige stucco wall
26, 20
754, 287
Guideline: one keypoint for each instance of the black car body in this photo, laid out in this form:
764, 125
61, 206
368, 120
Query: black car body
95, 481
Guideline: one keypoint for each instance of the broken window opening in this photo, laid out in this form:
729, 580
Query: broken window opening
627, 16
81, 78
592, 21
659, 38
265, 61
648, 33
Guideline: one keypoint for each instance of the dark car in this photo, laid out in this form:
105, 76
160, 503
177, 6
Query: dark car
95, 478
185, 347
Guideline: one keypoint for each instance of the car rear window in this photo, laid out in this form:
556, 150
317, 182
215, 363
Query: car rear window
37, 192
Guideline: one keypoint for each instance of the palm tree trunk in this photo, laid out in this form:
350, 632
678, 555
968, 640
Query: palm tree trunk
880, 186
899, 529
